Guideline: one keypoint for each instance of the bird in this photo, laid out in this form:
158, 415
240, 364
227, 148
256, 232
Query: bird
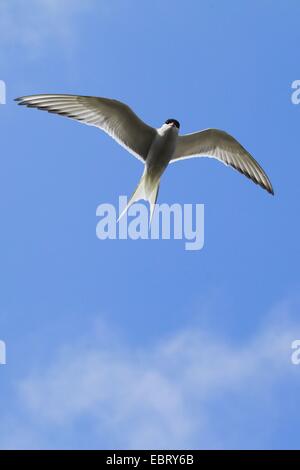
156, 148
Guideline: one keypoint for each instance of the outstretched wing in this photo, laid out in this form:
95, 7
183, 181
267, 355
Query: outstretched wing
222, 146
112, 116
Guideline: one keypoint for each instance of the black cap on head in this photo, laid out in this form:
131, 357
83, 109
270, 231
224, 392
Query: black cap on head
174, 121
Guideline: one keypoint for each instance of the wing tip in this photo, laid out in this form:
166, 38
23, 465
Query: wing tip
269, 188
21, 100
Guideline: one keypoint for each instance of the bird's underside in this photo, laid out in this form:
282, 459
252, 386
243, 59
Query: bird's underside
122, 124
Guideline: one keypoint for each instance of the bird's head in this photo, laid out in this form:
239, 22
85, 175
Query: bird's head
172, 123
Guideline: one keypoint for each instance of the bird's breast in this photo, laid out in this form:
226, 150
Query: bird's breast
161, 151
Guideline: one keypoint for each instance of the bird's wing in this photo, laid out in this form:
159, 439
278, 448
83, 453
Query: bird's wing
222, 146
112, 116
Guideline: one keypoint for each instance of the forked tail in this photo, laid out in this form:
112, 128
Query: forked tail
146, 190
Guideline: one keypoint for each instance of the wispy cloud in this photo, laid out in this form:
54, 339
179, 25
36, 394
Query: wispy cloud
191, 390
34, 24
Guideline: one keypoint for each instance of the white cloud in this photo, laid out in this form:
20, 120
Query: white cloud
34, 24
193, 390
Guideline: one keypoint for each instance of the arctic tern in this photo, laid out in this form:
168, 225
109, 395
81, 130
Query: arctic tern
156, 148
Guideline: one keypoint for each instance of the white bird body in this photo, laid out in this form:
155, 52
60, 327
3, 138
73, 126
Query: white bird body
156, 148
160, 153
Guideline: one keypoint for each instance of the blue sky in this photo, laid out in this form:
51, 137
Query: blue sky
141, 344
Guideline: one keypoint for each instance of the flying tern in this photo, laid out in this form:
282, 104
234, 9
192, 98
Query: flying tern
155, 147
